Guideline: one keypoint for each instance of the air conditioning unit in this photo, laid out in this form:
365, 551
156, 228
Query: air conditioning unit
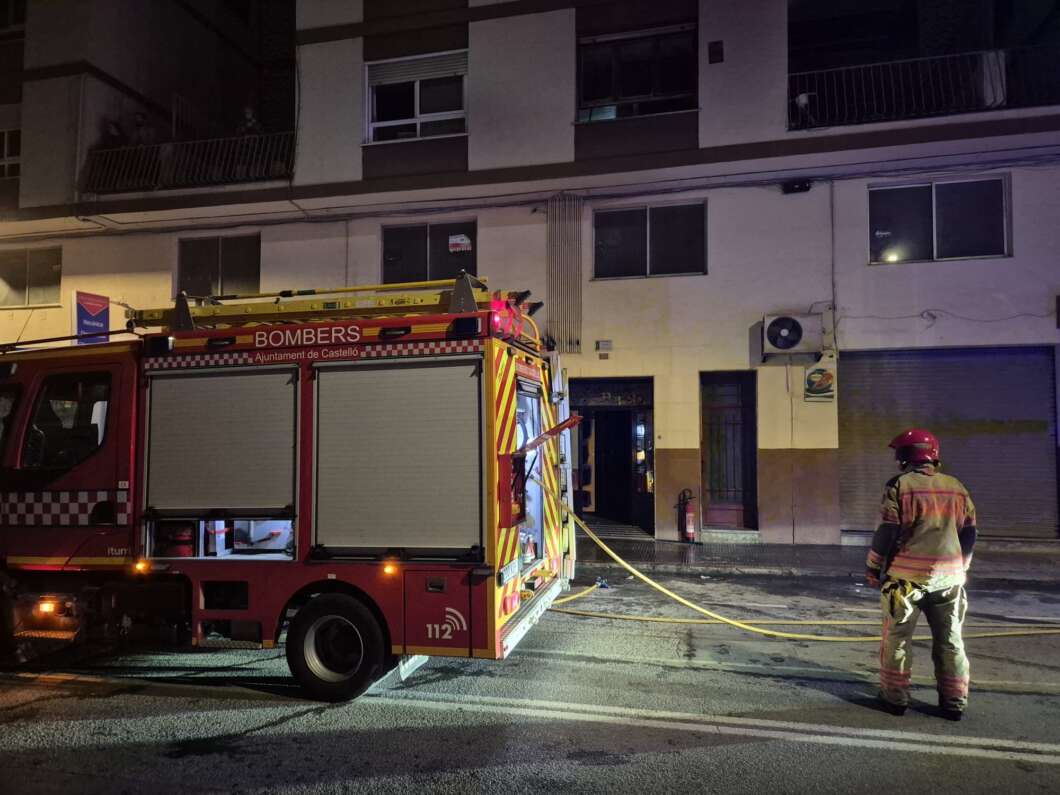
789, 334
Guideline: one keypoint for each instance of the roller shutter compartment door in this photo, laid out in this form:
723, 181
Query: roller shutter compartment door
222, 440
399, 455
994, 411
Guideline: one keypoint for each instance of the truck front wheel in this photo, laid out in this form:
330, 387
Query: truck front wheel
335, 647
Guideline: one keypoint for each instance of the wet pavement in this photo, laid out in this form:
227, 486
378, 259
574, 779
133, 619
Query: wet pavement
583, 705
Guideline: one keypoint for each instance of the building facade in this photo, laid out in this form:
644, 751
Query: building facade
689, 186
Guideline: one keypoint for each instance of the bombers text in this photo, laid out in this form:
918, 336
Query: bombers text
300, 337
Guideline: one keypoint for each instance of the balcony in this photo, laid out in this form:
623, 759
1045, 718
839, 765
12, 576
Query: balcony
923, 87
190, 164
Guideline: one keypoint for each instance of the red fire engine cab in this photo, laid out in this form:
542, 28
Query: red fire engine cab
358, 472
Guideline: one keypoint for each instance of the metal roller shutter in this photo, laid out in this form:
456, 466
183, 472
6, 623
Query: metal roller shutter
399, 455
994, 411
222, 440
423, 68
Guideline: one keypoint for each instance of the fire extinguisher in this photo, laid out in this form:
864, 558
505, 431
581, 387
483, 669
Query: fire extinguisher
686, 515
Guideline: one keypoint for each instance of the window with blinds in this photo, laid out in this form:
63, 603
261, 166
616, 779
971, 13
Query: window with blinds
420, 97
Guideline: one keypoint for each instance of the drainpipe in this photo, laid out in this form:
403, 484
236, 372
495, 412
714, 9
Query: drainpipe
78, 139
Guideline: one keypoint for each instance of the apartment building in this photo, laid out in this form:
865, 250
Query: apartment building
769, 235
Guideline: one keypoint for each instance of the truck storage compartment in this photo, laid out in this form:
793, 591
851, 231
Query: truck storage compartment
222, 441
222, 444
400, 457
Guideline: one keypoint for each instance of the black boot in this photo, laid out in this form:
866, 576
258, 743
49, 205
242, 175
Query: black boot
949, 712
893, 709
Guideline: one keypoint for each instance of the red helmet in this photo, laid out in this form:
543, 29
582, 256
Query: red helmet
916, 446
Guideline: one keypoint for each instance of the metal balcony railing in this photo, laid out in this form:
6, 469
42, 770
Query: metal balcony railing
920, 87
190, 164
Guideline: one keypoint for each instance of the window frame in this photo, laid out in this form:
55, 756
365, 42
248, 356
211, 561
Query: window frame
655, 34
1006, 217
38, 392
417, 118
647, 208
7, 161
26, 285
427, 224
220, 260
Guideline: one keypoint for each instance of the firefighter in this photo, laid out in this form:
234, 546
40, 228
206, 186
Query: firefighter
919, 556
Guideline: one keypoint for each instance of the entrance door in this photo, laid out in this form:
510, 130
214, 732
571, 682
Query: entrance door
728, 450
615, 476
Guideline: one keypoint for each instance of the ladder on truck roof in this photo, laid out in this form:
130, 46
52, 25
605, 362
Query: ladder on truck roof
463, 294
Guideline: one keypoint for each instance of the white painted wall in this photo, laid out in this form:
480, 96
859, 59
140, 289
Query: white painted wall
521, 90
50, 113
331, 116
303, 256
766, 253
133, 269
744, 98
980, 289
322, 13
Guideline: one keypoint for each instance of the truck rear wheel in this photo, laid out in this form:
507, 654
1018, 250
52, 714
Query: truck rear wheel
9, 626
335, 647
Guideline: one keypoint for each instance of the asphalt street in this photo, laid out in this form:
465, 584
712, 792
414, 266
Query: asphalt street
584, 705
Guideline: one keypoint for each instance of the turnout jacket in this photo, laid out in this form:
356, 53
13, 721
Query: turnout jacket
927, 530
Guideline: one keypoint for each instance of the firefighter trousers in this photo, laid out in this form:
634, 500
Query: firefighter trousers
902, 602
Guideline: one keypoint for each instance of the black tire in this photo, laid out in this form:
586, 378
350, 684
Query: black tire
335, 647
9, 626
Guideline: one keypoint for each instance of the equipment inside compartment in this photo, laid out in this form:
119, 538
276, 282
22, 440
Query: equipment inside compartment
222, 538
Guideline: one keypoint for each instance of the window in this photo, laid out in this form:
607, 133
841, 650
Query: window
939, 220
10, 152
220, 266
69, 421
637, 74
8, 395
417, 97
12, 13
528, 427
30, 277
428, 251
650, 241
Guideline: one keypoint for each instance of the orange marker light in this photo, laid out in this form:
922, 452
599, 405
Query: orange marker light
46, 607
141, 567
389, 568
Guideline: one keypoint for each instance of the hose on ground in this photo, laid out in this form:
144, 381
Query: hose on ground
758, 630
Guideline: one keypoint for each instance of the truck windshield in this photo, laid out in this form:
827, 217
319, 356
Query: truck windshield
7, 411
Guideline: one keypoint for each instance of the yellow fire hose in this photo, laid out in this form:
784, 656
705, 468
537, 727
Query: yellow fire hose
720, 619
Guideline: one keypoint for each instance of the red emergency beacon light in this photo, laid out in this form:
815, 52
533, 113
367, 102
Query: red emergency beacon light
506, 315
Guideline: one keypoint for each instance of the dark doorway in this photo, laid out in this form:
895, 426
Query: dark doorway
614, 467
728, 450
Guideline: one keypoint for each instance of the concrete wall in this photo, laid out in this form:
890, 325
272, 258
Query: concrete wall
511, 120
51, 110
744, 98
331, 117
322, 13
1023, 285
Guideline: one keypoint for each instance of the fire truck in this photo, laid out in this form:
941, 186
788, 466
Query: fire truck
370, 475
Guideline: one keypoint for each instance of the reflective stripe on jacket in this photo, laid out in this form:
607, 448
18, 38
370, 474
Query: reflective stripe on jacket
923, 518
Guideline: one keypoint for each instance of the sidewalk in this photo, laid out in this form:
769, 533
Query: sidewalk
672, 557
